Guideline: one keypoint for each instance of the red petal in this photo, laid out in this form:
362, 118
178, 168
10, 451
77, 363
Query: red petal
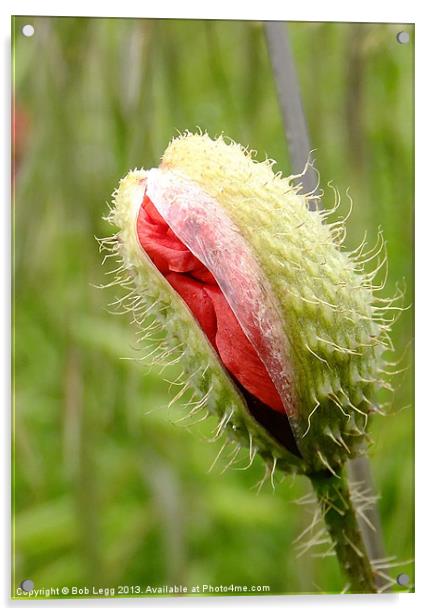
167, 252
238, 354
197, 287
194, 295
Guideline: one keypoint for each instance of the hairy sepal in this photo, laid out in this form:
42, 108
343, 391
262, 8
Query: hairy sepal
202, 369
333, 329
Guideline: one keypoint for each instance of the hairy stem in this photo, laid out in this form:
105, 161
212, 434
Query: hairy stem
340, 517
359, 472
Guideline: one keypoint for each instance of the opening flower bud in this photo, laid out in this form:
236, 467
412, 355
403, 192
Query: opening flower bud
275, 327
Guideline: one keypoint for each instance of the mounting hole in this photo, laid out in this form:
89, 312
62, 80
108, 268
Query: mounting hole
27, 585
28, 30
403, 579
403, 38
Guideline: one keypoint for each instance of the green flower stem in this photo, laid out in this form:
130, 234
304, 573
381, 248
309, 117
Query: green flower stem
339, 514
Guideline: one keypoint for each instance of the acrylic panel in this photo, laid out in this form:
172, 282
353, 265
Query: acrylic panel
212, 308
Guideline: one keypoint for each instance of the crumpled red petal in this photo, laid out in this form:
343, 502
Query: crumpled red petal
198, 288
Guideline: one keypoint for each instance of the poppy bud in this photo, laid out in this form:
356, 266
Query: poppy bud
276, 327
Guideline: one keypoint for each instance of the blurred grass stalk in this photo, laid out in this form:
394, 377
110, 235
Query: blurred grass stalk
298, 142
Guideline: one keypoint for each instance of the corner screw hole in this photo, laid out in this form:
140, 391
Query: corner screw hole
403, 38
403, 579
27, 585
28, 30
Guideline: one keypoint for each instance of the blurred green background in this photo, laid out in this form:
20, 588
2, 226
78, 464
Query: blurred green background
107, 489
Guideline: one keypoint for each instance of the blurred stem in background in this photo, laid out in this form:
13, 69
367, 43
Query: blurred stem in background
297, 137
